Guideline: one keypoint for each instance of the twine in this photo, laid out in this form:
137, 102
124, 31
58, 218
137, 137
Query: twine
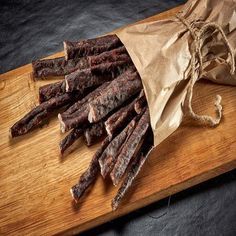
199, 36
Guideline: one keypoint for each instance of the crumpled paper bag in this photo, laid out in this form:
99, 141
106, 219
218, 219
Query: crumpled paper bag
162, 52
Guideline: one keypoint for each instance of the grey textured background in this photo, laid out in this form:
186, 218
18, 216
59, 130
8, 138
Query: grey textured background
34, 29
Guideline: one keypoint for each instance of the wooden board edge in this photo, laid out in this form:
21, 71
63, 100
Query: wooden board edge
27, 67
219, 170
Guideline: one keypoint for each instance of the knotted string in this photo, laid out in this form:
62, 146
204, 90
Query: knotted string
198, 37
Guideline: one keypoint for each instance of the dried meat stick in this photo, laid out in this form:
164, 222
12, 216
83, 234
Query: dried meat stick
108, 158
89, 176
117, 92
49, 91
77, 114
72, 121
70, 139
60, 67
130, 148
94, 76
55, 89
95, 93
38, 114
54, 67
117, 54
135, 168
90, 46
93, 132
140, 103
120, 118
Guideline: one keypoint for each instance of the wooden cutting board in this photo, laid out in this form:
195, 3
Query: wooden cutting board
35, 180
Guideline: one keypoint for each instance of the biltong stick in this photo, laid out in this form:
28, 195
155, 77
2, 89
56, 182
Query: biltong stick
95, 93
117, 54
38, 114
55, 67
135, 168
120, 118
108, 158
72, 121
116, 93
130, 148
90, 46
140, 103
60, 67
93, 132
94, 76
77, 114
70, 139
89, 176
49, 91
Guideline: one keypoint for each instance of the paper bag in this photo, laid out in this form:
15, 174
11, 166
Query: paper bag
162, 52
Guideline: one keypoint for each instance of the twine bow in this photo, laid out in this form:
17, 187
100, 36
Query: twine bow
198, 39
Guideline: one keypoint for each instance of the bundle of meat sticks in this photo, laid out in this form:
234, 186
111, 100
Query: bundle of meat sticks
103, 98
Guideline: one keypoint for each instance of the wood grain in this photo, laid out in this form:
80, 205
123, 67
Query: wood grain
35, 180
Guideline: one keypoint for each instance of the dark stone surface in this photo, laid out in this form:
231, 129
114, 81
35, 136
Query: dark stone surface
207, 210
34, 29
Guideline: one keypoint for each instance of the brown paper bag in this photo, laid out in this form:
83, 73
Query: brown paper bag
164, 55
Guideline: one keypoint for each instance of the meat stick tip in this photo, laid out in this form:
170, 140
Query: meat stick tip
73, 196
62, 124
91, 114
65, 49
67, 84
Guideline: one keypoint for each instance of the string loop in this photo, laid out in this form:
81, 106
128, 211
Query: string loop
196, 63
